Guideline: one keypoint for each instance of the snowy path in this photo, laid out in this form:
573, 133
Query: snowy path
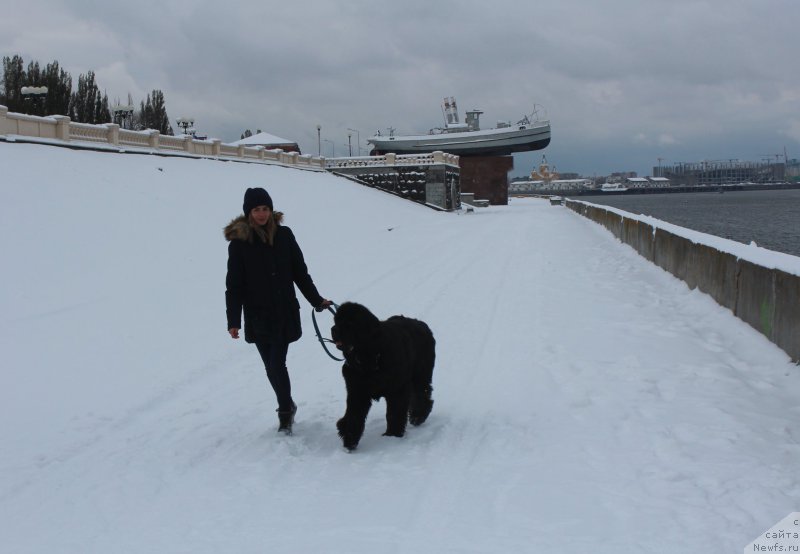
586, 401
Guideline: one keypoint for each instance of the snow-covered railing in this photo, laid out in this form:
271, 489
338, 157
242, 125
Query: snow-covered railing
91, 133
26, 125
434, 158
60, 129
760, 287
173, 143
228, 150
134, 138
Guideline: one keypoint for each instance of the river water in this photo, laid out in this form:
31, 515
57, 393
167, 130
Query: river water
771, 218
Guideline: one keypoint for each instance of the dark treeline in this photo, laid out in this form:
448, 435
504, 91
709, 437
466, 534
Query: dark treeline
87, 104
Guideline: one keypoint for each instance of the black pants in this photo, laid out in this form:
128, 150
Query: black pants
274, 356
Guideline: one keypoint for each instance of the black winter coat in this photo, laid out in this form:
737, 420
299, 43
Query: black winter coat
261, 280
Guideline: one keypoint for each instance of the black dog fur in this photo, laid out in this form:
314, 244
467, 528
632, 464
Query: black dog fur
392, 359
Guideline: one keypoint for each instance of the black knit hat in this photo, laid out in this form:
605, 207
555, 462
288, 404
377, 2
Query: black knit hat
255, 197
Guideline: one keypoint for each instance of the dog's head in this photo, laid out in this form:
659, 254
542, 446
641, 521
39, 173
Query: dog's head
355, 328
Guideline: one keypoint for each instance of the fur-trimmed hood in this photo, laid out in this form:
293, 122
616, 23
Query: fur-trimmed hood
240, 229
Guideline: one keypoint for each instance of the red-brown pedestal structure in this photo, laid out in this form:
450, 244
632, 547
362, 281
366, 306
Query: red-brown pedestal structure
487, 177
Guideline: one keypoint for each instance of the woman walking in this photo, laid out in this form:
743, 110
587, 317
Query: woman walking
264, 264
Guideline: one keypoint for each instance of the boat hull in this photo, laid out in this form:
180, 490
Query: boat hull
491, 142
619, 188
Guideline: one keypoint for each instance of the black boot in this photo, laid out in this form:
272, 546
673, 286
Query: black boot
286, 419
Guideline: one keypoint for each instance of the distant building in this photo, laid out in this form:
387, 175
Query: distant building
543, 179
637, 183
793, 170
268, 141
722, 172
659, 182
539, 186
571, 184
619, 176
525, 187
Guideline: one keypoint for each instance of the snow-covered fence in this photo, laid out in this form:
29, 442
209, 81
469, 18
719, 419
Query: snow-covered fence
392, 160
19, 124
61, 130
766, 298
134, 138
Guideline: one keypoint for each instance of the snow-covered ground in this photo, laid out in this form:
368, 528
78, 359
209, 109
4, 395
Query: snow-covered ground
586, 401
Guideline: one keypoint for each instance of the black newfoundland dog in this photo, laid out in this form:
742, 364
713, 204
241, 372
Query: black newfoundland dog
392, 359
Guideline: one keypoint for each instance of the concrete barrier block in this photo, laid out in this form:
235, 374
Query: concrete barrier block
786, 328
577, 207
602, 217
671, 252
755, 300
644, 243
613, 222
630, 232
598, 215
714, 273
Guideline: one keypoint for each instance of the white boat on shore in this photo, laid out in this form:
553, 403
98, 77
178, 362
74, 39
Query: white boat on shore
468, 139
614, 187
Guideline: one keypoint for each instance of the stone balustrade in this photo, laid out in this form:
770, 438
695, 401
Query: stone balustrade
60, 129
434, 158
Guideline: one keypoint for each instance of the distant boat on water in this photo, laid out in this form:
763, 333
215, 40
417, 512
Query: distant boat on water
614, 187
468, 139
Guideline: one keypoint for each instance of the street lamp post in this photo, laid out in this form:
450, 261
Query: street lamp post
122, 115
319, 141
358, 139
187, 124
33, 94
350, 144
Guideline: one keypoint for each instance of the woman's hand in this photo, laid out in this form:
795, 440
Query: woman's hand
234, 332
324, 306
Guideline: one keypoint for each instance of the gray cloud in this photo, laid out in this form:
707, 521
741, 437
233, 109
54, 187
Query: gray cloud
624, 82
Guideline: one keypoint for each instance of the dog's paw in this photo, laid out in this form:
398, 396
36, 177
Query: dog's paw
394, 433
418, 414
349, 441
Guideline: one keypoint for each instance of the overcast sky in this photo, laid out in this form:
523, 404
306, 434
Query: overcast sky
623, 82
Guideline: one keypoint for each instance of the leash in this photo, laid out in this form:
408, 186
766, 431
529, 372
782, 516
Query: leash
331, 309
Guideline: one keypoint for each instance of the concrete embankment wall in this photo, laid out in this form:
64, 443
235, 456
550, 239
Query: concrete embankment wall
766, 299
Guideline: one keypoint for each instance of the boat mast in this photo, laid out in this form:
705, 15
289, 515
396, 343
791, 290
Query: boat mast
451, 111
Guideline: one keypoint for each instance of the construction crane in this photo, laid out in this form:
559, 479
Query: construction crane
660, 173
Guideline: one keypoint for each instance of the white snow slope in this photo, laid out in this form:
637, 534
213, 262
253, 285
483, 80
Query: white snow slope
586, 401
